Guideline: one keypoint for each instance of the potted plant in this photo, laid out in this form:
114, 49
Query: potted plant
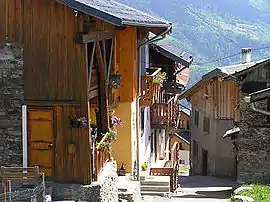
159, 78
111, 136
77, 122
144, 166
115, 80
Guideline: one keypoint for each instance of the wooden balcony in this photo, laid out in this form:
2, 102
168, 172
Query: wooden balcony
165, 114
149, 90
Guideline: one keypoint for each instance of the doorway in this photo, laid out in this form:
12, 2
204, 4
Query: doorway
204, 161
40, 140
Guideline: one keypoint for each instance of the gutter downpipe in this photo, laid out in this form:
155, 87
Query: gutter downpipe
254, 108
154, 39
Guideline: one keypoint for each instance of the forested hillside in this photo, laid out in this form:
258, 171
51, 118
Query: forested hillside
213, 29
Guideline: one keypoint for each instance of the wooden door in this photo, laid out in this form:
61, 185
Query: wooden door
204, 161
40, 140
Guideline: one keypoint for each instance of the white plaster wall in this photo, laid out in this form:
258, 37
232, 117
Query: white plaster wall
184, 155
145, 144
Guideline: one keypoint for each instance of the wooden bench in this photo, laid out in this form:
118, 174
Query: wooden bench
9, 174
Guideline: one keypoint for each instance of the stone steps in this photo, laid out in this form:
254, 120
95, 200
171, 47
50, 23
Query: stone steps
155, 188
155, 185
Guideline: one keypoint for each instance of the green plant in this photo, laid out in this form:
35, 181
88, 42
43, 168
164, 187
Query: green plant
144, 166
260, 193
159, 78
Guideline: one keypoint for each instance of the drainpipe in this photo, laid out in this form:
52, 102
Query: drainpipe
154, 39
254, 108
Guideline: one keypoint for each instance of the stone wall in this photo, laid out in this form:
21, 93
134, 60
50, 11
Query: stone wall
11, 96
254, 145
103, 190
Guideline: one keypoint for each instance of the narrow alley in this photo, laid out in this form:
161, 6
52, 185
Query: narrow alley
199, 188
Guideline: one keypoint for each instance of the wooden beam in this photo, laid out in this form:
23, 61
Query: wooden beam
46, 103
91, 67
260, 95
103, 98
104, 55
110, 64
97, 36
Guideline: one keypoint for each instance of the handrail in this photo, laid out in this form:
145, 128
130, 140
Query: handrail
101, 141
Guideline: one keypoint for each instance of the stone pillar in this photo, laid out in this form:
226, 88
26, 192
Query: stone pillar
11, 97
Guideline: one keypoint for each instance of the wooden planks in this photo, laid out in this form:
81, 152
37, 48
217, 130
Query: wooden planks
11, 20
218, 99
126, 59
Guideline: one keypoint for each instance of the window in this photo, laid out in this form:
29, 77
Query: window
182, 146
188, 125
181, 124
196, 118
206, 124
195, 148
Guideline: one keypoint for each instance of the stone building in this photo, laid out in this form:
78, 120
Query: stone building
215, 110
252, 137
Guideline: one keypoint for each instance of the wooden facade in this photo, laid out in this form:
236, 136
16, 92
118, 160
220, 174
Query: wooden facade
218, 99
68, 57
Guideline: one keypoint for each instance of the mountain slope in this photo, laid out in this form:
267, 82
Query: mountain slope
212, 29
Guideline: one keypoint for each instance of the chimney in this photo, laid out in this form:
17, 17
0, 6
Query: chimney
246, 55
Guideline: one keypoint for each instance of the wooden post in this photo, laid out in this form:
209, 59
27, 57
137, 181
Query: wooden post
9, 190
103, 98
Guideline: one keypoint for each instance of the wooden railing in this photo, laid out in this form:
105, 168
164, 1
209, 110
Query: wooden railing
149, 90
159, 114
171, 171
102, 156
165, 113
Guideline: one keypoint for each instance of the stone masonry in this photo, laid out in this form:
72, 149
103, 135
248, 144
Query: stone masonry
11, 96
103, 190
254, 145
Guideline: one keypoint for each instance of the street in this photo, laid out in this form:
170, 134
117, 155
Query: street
199, 189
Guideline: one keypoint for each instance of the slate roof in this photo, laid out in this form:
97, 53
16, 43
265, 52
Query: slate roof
186, 111
223, 72
184, 135
115, 13
172, 51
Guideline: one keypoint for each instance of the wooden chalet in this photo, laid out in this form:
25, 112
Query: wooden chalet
215, 109
171, 60
72, 50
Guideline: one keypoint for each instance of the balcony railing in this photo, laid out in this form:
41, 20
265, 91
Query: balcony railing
172, 170
102, 156
149, 90
165, 114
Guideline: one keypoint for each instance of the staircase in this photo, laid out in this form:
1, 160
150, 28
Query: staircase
155, 185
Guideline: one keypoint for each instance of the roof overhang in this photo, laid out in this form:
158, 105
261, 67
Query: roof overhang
180, 137
156, 27
216, 73
170, 55
232, 132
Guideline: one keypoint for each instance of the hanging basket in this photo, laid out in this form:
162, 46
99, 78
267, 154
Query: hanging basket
115, 81
77, 122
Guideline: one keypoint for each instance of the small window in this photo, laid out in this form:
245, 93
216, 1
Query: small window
206, 124
182, 146
196, 118
181, 124
195, 148
188, 125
